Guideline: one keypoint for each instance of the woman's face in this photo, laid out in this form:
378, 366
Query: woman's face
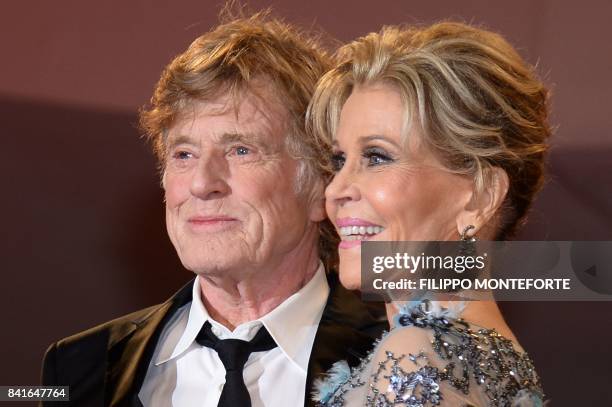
387, 188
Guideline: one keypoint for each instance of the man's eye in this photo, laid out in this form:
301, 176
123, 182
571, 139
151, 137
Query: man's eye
337, 161
182, 155
241, 150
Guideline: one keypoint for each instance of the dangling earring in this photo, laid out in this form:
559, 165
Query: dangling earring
466, 246
464, 236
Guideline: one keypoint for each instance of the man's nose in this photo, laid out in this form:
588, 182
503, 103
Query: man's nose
344, 187
209, 179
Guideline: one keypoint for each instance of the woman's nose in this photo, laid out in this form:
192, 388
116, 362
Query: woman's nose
343, 188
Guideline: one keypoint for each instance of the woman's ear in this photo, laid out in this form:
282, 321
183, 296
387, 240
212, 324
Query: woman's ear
483, 206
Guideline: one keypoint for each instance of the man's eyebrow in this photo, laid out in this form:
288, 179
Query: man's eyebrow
174, 141
250, 138
255, 139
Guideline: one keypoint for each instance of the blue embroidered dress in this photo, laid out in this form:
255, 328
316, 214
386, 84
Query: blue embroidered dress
461, 365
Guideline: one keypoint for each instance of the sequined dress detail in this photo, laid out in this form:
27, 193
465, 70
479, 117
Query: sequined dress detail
462, 365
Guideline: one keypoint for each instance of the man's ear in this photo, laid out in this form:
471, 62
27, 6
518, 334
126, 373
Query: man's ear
316, 201
163, 180
482, 206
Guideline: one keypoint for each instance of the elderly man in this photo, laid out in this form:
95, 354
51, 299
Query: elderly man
244, 209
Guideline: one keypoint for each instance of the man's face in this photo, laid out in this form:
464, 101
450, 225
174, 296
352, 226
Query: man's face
231, 201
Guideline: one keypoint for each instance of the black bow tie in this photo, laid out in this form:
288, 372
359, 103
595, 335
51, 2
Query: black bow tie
234, 353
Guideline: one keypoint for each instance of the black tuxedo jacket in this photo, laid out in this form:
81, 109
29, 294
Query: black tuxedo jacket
106, 365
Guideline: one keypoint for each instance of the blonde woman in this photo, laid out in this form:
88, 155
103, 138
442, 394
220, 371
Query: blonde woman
438, 133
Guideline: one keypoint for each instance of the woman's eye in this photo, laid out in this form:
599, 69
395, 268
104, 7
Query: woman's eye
377, 157
337, 161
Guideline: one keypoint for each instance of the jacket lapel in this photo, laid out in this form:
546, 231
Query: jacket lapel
347, 330
131, 349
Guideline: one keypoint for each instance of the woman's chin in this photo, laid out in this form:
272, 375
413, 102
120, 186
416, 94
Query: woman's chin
349, 279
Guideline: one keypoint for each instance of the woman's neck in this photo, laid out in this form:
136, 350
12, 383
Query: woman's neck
481, 313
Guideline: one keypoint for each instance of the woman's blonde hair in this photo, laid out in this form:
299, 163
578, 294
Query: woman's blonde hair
478, 103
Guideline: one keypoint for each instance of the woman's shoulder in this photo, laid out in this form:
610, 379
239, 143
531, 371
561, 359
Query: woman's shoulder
432, 356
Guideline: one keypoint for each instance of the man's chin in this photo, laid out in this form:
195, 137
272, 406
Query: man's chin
212, 269
210, 265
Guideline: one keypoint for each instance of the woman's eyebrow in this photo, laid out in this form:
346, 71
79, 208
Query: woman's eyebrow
378, 137
366, 139
375, 137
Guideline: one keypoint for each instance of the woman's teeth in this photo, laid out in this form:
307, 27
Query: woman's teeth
359, 232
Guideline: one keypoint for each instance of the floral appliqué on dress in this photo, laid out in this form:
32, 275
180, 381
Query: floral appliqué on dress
473, 360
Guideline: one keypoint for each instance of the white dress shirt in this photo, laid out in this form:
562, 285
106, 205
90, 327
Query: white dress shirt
184, 373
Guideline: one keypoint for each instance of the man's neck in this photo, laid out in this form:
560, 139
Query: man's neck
232, 303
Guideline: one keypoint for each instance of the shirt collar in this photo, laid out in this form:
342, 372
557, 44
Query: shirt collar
293, 324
